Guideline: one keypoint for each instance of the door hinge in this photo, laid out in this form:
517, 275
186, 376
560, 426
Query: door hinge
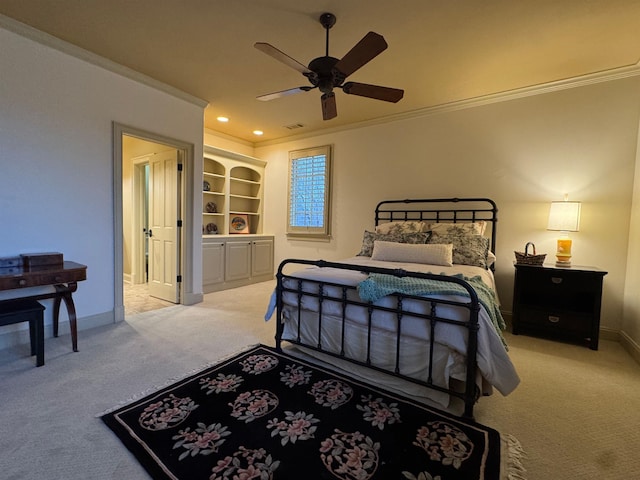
179, 223
179, 279
179, 167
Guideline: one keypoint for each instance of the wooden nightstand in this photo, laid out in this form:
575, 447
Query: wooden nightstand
562, 303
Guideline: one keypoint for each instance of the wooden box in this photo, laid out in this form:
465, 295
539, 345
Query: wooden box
47, 259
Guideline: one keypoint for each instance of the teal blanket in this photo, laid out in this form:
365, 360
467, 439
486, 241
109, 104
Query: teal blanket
379, 285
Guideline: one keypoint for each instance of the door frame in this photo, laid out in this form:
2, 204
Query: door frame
185, 209
138, 270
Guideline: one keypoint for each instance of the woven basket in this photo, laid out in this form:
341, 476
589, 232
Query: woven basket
529, 259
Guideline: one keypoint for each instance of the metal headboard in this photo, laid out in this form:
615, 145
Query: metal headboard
436, 210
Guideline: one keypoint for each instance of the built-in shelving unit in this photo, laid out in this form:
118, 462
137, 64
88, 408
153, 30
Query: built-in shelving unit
232, 185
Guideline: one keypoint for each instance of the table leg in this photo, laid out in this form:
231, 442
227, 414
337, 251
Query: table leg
56, 312
39, 339
64, 293
33, 332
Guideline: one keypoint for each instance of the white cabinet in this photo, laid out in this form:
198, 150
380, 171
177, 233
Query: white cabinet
238, 262
231, 261
262, 258
213, 260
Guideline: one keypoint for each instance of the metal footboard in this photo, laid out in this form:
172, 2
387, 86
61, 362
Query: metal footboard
321, 292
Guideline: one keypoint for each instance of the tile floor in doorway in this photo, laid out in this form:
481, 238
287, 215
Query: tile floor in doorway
138, 300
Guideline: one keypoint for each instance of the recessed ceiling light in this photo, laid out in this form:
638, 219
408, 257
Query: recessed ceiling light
223, 119
258, 132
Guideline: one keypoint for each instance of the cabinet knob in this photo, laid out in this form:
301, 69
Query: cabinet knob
554, 319
22, 282
556, 280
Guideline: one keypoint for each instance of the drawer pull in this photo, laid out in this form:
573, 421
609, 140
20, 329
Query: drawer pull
556, 280
22, 282
554, 319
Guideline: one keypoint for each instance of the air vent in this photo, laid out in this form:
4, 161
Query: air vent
294, 126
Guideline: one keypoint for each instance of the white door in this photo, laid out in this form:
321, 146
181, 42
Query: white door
164, 234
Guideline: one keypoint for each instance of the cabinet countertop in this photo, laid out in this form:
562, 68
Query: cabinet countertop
227, 236
572, 268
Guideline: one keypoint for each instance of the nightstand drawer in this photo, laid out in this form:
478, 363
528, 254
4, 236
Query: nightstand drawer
568, 322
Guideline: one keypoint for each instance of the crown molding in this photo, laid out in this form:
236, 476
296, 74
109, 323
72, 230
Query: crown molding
618, 73
65, 47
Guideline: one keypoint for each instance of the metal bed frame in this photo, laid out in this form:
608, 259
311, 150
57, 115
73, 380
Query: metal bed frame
457, 210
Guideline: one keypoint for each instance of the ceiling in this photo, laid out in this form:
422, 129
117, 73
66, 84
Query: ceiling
439, 52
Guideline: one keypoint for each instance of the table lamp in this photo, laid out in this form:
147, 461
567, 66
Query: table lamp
564, 217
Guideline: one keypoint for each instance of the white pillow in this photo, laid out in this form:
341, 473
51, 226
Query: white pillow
491, 258
431, 254
401, 227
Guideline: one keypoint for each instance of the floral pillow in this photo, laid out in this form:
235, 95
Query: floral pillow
370, 237
401, 227
462, 228
467, 249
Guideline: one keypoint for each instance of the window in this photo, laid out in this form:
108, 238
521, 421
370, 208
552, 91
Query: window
309, 193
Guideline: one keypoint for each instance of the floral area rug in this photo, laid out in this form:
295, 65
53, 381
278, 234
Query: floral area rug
267, 415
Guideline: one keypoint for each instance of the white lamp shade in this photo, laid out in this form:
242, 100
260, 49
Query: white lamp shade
564, 216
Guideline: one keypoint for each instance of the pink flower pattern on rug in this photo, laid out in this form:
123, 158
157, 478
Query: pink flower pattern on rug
222, 383
254, 404
331, 393
245, 464
350, 456
166, 413
444, 443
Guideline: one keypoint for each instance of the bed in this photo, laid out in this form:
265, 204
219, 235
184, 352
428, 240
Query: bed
414, 311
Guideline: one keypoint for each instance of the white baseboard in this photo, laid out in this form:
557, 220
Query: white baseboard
630, 345
20, 334
192, 298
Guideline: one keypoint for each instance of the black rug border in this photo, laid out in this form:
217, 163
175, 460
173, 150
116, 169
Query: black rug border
154, 466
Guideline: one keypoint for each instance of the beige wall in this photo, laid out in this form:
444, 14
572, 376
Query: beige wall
225, 142
523, 153
631, 310
56, 136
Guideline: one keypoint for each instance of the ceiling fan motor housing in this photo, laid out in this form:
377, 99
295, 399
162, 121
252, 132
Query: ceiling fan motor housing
323, 74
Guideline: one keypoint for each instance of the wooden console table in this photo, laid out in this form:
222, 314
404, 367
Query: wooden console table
64, 278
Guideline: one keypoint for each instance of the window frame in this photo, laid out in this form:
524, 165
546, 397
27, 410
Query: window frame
310, 232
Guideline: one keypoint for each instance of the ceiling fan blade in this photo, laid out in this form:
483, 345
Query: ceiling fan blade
373, 91
371, 45
281, 57
329, 109
283, 93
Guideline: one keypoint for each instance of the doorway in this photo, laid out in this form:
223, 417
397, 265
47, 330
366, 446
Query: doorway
150, 168
138, 184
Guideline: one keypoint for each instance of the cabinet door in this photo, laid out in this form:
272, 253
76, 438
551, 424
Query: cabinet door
212, 263
262, 261
238, 260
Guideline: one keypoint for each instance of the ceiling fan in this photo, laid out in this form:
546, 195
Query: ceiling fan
327, 73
